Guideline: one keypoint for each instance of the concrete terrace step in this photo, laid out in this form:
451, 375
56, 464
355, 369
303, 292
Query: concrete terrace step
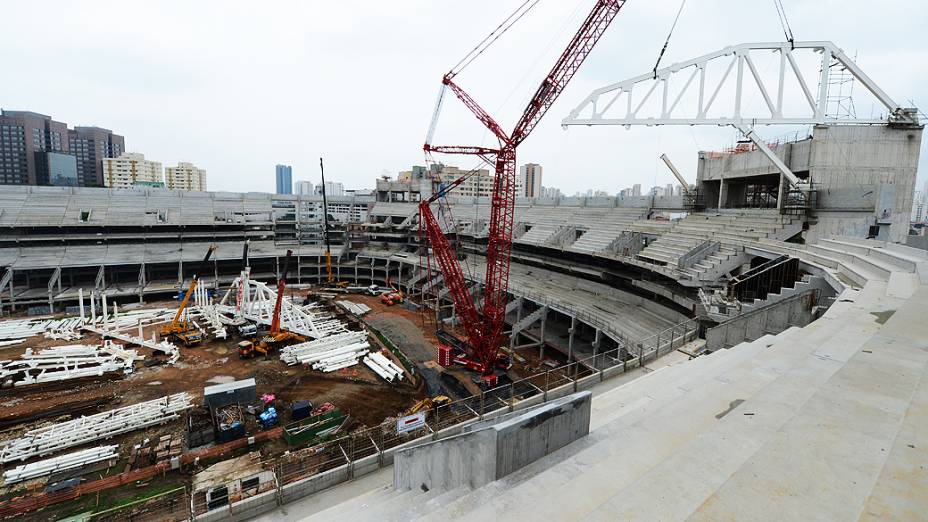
635, 444
616, 454
737, 435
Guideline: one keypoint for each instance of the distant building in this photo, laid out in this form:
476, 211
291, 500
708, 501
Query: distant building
129, 169
636, 190
57, 168
92, 145
550, 192
530, 175
303, 188
23, 135
919, 207
284, 179
332, 188
185, 176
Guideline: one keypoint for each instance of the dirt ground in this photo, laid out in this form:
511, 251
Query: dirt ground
355, 390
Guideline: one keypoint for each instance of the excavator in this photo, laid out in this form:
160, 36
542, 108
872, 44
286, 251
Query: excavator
277, 336
182, 330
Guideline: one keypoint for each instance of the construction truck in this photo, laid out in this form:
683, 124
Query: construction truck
183, 330
247, 330
428, 404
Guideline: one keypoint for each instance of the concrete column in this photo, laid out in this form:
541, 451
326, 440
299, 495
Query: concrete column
80, 302
723, 192
596, 343
512, 338
106, 314
180, 274
93, 306
781, 192
570, 339
541, 344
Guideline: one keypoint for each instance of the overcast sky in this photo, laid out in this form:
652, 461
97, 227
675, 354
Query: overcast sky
237, 87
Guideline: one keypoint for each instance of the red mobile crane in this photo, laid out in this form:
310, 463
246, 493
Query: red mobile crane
276, 337
485, 327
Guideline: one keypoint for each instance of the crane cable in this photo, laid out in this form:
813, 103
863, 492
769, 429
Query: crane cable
784, 22
666, 42
494, 35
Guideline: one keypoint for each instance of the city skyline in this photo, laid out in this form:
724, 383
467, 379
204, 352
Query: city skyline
209, 83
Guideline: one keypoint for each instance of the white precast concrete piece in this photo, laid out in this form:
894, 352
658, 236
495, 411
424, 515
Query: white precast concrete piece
49, 439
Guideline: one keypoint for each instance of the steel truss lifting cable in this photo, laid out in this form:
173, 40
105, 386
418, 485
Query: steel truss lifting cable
666, 42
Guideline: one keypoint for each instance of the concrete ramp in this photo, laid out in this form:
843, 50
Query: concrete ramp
493, 449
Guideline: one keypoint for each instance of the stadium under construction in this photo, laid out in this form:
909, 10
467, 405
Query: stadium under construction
752, 347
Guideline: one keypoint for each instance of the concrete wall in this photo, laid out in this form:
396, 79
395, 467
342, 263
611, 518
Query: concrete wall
492, 450
865, 175
865, 155
772, 319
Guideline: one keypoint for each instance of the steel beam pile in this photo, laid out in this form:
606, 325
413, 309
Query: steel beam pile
256, 303
330, 353
66, 362
163, 346
357, 309
383, 367
75, 460
49, 439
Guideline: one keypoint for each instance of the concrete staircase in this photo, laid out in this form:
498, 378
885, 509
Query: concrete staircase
730, 228
826, 422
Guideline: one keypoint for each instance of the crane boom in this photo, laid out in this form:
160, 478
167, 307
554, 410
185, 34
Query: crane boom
193, 286
485, 327
281, 286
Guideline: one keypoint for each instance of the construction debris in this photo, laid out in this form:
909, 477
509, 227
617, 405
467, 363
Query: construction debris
75, 460
56, 437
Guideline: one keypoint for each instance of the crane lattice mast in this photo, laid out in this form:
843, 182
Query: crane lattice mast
484, 327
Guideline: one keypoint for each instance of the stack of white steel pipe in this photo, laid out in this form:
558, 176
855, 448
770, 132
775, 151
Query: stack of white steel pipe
56, 437
301, 353
383, 367
339, 358
70, 461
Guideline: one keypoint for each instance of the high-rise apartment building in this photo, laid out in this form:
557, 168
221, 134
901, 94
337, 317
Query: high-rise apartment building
284, 179
131, 169
636, 190
31, 145
303, 188
24, 138
530, 175
332, 188
185, 176
92, 145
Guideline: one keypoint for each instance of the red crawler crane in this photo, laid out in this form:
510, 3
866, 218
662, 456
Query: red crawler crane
485, 327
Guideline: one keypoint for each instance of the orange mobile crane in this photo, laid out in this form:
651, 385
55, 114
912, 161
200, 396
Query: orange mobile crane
183, 331
276, 337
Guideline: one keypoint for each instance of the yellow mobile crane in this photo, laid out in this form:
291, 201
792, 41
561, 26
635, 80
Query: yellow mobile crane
183, 331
